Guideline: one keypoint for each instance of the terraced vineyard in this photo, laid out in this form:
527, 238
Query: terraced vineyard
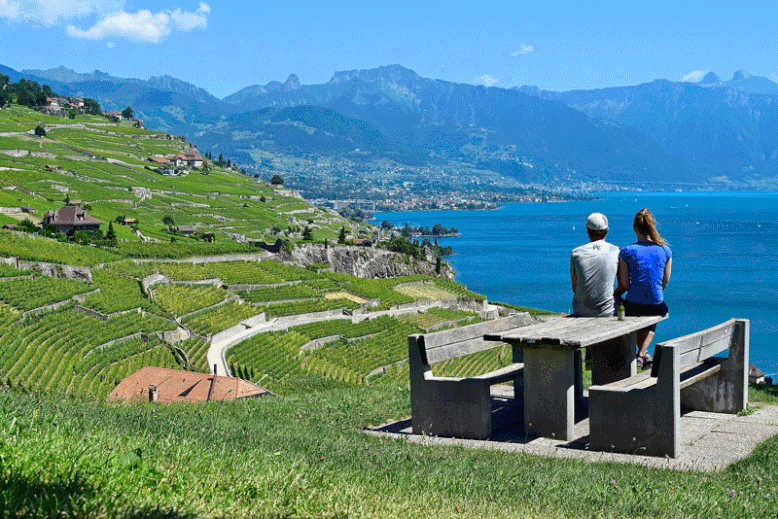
72, 351
277, 360
28, 294
213, 321
279, 293
50, 354
184, 299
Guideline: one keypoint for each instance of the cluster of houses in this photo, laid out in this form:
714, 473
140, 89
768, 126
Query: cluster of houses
60, 105
172, 166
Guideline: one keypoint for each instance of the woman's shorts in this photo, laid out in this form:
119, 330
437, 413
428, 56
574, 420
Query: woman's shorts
637, 310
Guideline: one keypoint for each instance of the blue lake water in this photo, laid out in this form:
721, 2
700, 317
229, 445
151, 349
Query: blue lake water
725, 255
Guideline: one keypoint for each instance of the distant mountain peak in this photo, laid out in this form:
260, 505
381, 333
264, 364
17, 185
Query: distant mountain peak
711, 78
741, 74
396, 74
293, 82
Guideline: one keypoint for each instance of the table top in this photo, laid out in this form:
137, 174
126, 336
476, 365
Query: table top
573, 332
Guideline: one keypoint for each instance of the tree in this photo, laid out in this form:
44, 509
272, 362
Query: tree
128, 113
307, 234
4, 99
342, 235
110, 236
40, 131
168, 220
92, 107
387, 225
221, 159
277, 180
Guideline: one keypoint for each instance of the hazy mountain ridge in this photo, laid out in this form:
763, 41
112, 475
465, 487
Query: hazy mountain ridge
659, 131
724, 130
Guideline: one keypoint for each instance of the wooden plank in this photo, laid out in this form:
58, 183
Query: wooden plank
478, 330
695, 340
629, 381
503, 374
460, 349
698, 372
576, 332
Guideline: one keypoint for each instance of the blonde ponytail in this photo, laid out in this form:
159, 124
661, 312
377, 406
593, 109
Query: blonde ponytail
645, 224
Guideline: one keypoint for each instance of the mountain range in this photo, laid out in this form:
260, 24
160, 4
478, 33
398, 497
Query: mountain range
662, 132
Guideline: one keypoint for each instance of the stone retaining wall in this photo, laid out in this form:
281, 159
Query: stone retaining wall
318, 343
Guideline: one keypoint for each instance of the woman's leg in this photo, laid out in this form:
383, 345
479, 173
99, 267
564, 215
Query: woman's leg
644, 338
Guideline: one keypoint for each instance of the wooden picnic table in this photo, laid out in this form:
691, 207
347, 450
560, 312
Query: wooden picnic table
553, 364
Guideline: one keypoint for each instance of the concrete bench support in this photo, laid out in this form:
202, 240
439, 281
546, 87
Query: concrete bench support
641, 414
456, 406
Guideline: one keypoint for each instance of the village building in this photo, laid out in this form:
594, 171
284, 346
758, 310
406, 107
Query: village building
158, 160
174, 385
186, 229
70, 218
194, 160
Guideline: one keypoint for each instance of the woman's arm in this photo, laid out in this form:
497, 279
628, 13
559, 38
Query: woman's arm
622, 276
666, 276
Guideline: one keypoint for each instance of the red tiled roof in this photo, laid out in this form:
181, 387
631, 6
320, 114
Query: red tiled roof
174, 385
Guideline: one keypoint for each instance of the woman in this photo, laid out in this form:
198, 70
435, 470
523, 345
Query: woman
644, 271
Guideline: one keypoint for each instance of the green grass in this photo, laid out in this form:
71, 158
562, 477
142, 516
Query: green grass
304, 455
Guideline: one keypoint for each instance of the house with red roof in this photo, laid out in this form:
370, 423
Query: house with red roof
153, 384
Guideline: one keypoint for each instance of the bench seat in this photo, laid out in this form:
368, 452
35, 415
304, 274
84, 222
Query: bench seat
641, 414
458, 406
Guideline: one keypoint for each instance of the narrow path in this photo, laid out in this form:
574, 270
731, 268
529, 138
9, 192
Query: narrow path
217, 362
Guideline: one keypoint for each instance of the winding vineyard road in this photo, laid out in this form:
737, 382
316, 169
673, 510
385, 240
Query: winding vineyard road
217, 361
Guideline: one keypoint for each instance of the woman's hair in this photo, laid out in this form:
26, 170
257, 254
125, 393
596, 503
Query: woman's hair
645, 224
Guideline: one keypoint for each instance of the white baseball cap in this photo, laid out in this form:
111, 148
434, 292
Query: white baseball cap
597, 222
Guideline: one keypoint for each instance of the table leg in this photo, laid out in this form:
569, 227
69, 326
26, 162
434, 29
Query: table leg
549, 392
614, 360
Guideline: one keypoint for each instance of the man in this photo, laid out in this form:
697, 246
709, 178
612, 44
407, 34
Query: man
593, 269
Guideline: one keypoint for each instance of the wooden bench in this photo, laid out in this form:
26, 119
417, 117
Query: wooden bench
458, 406
641, 414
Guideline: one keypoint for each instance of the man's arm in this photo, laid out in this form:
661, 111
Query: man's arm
573, 277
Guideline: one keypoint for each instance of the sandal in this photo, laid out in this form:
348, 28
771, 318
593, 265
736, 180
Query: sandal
644, 361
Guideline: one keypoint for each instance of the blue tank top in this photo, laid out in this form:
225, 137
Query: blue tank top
646, 264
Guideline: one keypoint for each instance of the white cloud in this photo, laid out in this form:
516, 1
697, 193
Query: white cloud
141, 26
488, 80
110, 45
188, 21
54, 12
524, 49
694, 76
112, 20
9, 9
773, 77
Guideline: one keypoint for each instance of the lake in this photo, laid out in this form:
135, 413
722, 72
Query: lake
725, 255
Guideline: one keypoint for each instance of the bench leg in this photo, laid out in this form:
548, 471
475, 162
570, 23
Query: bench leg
644, 421
549, 392
458, 408
614, 360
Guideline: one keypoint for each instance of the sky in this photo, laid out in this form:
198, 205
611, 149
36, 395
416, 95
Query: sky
223, 46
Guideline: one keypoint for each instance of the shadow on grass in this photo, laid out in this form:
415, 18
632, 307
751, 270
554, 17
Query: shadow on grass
26, 497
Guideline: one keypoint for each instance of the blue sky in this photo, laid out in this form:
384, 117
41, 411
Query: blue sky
224, 46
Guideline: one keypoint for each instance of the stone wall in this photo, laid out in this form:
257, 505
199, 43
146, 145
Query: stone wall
365, 262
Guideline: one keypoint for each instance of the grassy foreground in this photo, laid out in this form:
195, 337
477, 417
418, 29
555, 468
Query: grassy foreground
303, 455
